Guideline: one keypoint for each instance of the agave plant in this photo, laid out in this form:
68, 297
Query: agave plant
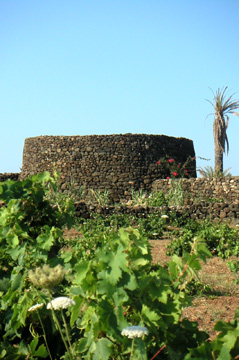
209, 172
222, 107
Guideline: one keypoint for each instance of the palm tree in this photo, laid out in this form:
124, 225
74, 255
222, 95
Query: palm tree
222, 107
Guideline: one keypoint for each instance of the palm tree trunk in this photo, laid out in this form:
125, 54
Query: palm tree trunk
218, 159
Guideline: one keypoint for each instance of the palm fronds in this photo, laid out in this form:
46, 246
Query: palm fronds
221, 104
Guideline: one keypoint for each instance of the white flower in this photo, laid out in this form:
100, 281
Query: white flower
164, 216
35, 307
61, 302
134, 331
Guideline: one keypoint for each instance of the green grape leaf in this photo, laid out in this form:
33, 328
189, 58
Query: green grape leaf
41, 352
230, 338
103, 349
16, 281
12, 240
224, 354
16, 252
75, 310
223, 326
139, 350
116, 262
33, 344
150, 315
81, 270
45, 241
4, 284
139, 263
82, 345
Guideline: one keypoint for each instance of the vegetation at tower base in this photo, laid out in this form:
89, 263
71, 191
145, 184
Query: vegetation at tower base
222, 107
96, 293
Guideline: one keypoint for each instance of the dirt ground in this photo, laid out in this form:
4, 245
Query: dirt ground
207, 310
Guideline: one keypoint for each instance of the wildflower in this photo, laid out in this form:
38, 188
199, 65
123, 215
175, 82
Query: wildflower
167, 177
158, 162
61, 302
35, 307
46, 277
134, 331
175, 174
171, 160
164, 216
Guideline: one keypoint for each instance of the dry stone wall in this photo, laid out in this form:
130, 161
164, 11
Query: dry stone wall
201, 211
105, 162
201, 189
6, 176
121, 162
206, 199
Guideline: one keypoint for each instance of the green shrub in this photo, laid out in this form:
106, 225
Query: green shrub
59, 303
157, 198
221, 239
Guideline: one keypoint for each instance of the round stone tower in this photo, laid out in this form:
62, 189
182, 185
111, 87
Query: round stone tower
105, 162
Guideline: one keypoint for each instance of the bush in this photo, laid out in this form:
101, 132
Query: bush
58, 303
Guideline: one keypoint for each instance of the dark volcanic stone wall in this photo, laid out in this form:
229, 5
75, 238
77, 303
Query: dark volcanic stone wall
6, 176
105, 162
201, 189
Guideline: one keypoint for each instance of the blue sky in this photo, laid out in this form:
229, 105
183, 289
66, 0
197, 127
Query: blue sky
74, 67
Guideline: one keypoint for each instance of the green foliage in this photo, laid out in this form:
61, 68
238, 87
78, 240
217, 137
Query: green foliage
197, 288
221, 239
95, 231
110, 278
157, 198
176, 195
210, 172
224, 347
99, 197
174, 170
233, 266
117, 288
30, 235
138, 197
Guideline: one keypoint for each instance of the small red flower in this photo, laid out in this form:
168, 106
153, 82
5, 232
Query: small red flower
175, 174
171, 160
167, 177
158, 162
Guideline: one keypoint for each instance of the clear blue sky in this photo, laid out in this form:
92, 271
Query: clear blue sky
82, 67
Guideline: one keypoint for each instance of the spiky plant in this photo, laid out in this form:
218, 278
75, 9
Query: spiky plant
222, 107
209, 172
